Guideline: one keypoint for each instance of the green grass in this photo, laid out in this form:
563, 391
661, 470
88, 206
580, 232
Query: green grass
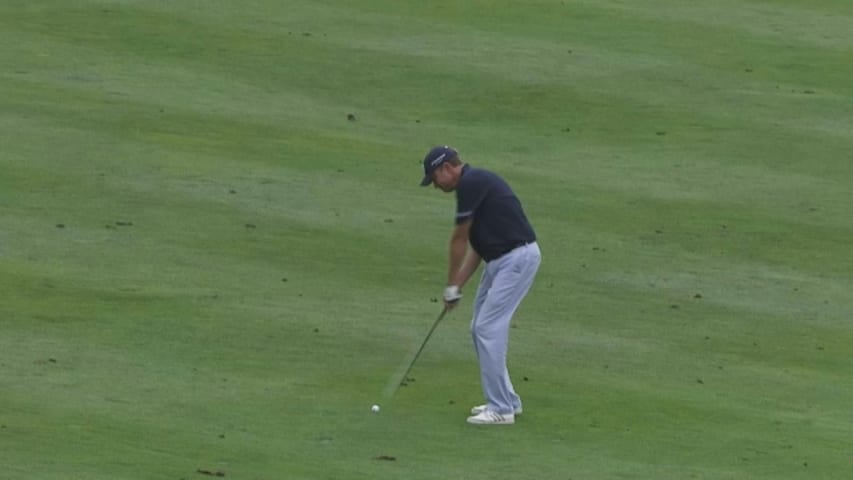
205, 265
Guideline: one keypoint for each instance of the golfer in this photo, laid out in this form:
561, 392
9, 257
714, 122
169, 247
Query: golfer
489, 217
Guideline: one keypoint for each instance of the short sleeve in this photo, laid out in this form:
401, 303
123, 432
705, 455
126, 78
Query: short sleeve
469, 195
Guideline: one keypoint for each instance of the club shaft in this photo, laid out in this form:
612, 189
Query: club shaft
412, 363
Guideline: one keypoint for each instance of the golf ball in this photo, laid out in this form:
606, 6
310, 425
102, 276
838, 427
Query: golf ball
374, 409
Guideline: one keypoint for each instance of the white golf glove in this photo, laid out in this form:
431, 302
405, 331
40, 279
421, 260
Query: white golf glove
452, 294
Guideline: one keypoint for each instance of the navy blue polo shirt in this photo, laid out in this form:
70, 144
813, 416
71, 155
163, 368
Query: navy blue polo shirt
498, 221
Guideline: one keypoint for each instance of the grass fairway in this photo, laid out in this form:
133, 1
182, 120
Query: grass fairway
205, 265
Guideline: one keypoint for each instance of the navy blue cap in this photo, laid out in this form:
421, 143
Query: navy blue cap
434, 159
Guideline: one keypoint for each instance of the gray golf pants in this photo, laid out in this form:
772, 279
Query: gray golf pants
504, 283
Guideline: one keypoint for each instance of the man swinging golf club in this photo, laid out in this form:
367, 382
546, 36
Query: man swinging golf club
489, 217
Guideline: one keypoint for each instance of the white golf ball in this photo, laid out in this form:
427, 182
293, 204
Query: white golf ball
374, 409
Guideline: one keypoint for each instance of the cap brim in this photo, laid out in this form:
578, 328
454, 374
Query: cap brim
426, 180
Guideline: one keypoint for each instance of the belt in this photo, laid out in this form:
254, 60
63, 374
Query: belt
513, 247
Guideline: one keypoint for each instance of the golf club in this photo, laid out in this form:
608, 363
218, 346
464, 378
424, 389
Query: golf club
401, 380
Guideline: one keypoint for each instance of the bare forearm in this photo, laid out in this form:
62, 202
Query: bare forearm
458, 248
469, 266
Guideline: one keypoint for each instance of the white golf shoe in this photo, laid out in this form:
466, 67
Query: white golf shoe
482, 408
488, 417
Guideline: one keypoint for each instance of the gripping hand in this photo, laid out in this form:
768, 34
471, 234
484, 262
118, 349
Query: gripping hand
452, 294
